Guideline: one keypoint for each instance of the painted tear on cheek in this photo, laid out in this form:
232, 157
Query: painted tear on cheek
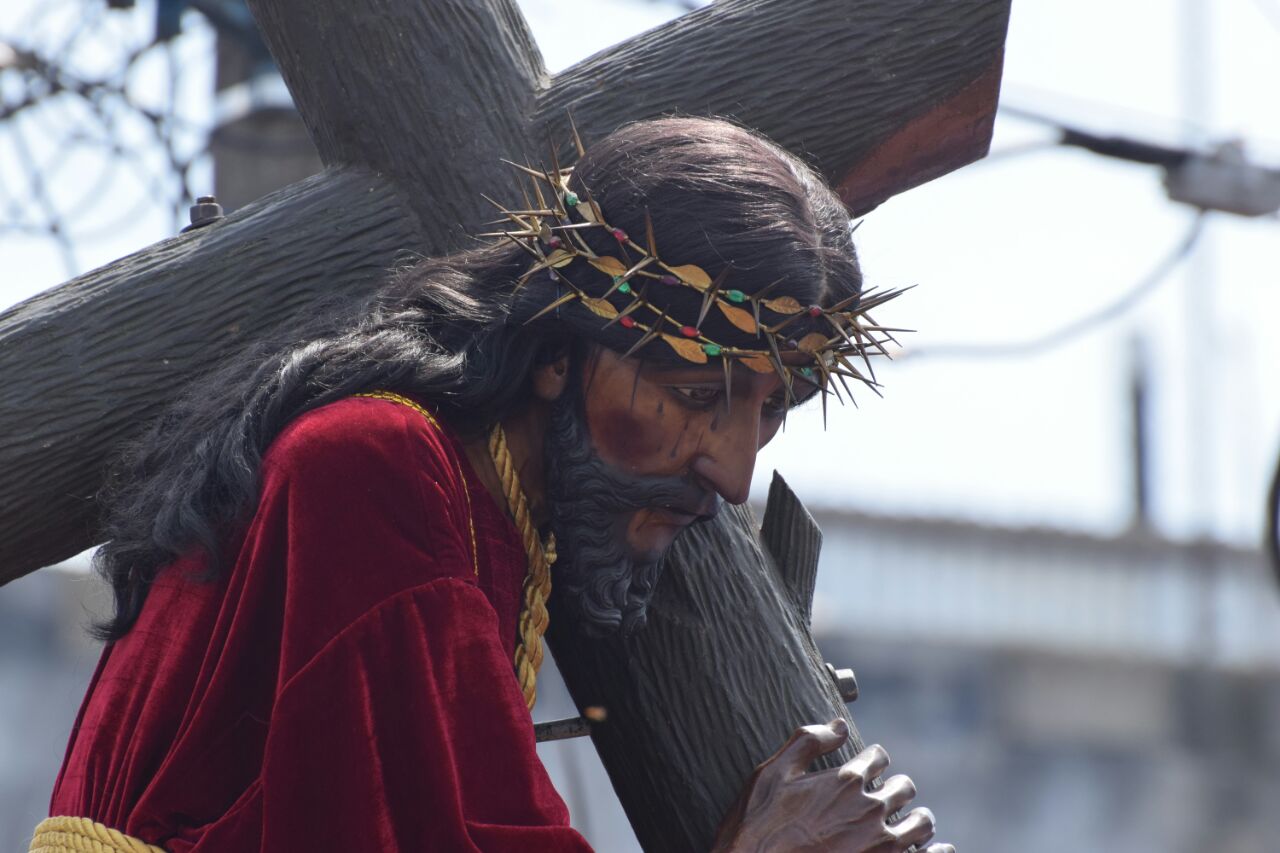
675, 446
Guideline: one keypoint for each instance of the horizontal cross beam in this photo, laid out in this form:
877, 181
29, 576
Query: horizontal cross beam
411, 105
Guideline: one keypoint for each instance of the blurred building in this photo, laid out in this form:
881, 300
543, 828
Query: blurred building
1057, 692
46, 658
1047, 691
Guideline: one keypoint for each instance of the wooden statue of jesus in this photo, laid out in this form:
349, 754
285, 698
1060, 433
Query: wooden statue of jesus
334, 560
333, 564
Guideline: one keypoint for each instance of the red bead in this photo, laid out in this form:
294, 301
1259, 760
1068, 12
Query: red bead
554, 243
689, 331
815, 310
619, 234
627, 322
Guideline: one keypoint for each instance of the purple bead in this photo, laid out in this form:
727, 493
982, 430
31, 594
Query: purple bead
669, 279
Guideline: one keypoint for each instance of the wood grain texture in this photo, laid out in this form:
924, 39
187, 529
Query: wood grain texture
949, 135
720, 677
791, 535
431, 94
831, 80
85, 364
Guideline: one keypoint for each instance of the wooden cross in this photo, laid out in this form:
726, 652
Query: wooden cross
411, 105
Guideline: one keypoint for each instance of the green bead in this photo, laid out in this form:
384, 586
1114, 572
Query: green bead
736, 296
625, 287
806, 372
571, 198
712, 349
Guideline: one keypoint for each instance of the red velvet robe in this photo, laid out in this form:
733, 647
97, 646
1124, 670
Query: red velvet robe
348, 685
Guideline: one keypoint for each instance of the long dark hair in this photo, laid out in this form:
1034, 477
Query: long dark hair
456, 333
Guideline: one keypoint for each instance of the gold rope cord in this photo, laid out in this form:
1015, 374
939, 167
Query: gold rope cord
81, 835
537, 583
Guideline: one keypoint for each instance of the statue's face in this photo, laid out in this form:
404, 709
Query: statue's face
636, 453
658, 421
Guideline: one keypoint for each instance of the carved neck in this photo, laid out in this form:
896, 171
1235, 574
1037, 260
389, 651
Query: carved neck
526, 435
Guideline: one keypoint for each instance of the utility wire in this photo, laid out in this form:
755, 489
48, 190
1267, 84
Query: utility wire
1064, 334
1010, 108
1010, 152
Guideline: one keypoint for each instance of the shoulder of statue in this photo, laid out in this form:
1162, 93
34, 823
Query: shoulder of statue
377, 422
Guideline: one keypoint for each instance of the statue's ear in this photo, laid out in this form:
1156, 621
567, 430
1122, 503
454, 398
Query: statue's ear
550, 379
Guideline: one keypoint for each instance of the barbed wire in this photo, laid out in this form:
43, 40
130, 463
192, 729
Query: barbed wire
103, 124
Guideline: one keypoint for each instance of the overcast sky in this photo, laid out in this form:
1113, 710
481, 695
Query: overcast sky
1002, 251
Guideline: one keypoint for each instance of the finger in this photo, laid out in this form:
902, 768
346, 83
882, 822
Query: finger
897, 792
916, 828
865, 766
808, 743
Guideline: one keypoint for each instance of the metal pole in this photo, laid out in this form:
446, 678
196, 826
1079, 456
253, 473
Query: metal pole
1199, 329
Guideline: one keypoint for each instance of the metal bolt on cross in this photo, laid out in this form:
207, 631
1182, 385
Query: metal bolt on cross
846, 683
205, 211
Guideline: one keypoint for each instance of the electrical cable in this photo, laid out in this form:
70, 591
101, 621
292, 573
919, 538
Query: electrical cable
1079, 326
1010, 152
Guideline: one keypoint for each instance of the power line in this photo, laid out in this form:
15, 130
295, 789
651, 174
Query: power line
1011, 152
1064, 334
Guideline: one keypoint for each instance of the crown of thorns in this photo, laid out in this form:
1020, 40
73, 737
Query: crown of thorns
550, 231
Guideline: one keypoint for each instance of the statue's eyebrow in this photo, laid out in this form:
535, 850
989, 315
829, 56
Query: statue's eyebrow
682, 372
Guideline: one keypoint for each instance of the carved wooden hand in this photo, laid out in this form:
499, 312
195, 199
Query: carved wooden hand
785, 808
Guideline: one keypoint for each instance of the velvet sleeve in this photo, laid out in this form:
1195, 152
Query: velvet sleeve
406, 732
398, 723
361, 499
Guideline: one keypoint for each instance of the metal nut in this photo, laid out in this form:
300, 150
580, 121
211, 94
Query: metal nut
846, 683
206, 210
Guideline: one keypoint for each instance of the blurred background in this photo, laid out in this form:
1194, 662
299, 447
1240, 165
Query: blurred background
1043, 546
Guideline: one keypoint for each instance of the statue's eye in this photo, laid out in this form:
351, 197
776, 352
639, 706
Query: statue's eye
698, 395
776, 406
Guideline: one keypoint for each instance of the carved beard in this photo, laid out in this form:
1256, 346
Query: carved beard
598, 582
